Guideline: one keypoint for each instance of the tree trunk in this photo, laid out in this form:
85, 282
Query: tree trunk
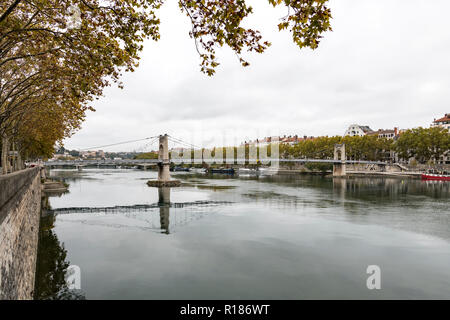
5, 149
13, 157
20, 165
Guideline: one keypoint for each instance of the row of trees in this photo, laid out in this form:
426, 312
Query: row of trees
422, 144
57, 56
357, 148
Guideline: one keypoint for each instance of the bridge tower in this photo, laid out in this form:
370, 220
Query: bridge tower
163, 157
163, 166
339, 168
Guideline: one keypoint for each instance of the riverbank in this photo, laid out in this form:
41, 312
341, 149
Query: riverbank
20, 202
416, 175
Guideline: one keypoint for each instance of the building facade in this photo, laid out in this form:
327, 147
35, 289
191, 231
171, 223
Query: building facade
357, 130
443, 122
385, 133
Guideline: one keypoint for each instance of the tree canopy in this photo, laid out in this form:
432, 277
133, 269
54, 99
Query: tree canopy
368, 147
423, 144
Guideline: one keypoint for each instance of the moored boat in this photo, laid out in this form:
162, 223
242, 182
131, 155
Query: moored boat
177, 168
267, 171
222, 170
247, 171
199, 170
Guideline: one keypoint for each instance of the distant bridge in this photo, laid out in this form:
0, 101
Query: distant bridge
163, 162
137, 162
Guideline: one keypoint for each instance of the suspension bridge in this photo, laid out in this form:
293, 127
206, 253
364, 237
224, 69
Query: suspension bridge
339, 160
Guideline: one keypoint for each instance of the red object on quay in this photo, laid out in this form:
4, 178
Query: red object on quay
439, 177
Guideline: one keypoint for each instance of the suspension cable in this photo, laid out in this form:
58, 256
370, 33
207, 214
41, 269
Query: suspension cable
118, 143
141, 149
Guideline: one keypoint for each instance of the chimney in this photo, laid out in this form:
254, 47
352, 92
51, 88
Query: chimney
305, 137
395, 131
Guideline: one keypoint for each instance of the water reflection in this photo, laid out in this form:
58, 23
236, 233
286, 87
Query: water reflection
261, 237
389, 188
52, 264
164, 208
408, 204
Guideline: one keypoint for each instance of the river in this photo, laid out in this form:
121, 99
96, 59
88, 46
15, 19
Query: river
229, 237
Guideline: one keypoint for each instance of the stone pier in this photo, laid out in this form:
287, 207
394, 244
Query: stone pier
339, 167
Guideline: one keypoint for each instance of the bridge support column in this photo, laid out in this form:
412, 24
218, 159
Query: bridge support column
163, 157
163, 166
339, 167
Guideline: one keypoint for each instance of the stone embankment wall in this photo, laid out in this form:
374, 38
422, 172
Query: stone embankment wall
20, 199
426, 167
366, 168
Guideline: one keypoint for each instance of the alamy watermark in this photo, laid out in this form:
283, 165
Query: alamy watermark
73, 277
261, 153
374, 280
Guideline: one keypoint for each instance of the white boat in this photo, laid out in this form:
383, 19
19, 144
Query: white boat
257, 171
247, 171
267, 171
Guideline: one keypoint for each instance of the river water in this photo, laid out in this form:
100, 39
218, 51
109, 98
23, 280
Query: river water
229, 237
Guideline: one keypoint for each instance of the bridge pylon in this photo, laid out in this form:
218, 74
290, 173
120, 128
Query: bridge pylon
339, 167
163, 158
163, 166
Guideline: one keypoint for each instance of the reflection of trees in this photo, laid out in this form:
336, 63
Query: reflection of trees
51, 266
389, 189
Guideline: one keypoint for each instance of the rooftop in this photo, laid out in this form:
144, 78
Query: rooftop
445, 118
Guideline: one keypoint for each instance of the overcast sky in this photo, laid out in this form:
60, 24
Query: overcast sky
385, 64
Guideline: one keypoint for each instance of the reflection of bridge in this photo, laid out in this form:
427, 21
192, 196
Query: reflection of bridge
163, 162
137, 207
171, 214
